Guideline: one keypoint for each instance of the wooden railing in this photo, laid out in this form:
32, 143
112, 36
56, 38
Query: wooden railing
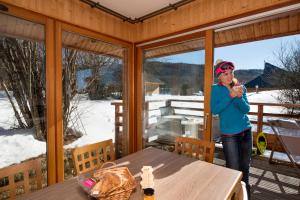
119, 133
261, 115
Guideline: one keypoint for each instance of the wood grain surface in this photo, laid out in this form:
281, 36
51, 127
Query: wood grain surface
175, 177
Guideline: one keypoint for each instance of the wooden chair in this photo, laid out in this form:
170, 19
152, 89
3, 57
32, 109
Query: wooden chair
287, 134
20, 179
197, 148
242, 193
92, 156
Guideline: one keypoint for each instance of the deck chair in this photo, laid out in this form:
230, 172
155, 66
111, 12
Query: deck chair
165, 130
20, 179
92, 156
200, 149
287, 133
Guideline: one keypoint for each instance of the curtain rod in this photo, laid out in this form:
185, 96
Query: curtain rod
174, 6
3, 8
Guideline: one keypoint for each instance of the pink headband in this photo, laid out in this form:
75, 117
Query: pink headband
220, 68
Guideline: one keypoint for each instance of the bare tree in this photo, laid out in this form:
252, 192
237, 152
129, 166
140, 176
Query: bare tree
22, 77
289, 58
95, 87
69, 84
22, 72
74, 61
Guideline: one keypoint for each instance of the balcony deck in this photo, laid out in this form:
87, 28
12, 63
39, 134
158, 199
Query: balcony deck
269, 181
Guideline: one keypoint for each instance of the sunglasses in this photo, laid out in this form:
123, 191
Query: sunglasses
224, 66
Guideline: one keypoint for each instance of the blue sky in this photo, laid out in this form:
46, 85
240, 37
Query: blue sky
245, 56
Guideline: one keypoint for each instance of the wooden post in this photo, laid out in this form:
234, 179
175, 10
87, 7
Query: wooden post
146, 121
59, 139
139, 99
208, 80
117, 131
260, 115
51, 102
146, 116
120, 135
131, 106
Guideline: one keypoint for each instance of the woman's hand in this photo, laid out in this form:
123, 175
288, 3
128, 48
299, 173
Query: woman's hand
233, 93
238, 90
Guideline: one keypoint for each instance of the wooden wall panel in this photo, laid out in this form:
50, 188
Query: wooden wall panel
280, 26
78, 13
201, 13
197, 14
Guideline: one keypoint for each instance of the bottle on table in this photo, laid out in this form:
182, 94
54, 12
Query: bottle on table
148, 194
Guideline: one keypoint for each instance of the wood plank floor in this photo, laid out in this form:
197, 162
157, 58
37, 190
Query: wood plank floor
269, 181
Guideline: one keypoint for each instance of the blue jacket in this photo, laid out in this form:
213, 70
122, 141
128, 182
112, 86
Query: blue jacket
232, 111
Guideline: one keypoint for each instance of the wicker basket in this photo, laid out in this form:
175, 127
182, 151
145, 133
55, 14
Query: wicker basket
114, 183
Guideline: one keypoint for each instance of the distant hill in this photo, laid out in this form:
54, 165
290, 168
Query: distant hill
182, 78
270, 78
189, 77
177, 78
247, 75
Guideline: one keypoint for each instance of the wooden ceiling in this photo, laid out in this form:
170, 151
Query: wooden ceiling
269, 28
22, 29
76, 41
283, 25
188, 46
19, 28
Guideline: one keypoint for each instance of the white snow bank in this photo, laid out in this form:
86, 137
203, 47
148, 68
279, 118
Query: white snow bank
98, 119
19, 146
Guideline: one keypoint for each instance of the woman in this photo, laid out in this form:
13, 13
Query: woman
229, 101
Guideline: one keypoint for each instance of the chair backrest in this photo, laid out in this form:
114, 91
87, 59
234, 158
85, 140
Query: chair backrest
285, 127
242, 195
288, 133
197, 148
20, 179
92, 156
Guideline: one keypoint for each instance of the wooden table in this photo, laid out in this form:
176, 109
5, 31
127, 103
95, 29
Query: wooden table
175, 176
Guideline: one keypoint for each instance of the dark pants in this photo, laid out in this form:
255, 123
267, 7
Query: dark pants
237, 150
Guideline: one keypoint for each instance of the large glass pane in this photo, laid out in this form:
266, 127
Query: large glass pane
270, 74
23, 130
174, 93
93, 95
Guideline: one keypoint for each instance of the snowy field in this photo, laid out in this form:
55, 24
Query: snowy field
97, 118
261, 97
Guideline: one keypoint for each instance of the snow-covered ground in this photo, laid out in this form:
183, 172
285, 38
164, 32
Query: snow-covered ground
18, 145
97, 118
261, 97
7, 117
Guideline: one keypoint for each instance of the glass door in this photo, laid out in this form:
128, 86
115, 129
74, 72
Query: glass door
173, 83
93, 95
